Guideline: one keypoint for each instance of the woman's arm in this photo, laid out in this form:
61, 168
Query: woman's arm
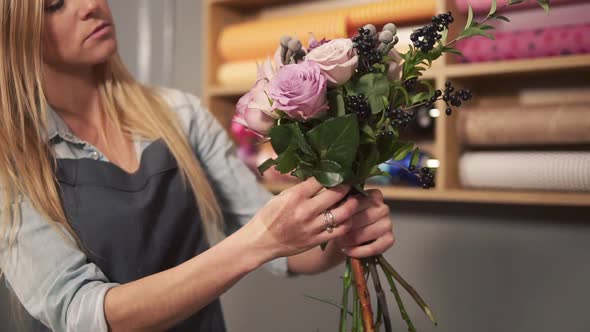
58, 286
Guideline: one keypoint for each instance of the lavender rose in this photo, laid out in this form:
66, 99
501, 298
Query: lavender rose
299, 90
336, 58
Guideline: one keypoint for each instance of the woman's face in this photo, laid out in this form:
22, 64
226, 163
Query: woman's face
77, 33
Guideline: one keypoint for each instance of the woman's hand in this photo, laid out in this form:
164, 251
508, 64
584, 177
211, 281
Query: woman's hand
372, 224
293, 221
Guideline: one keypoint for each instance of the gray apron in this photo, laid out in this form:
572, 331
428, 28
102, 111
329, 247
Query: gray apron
135, 225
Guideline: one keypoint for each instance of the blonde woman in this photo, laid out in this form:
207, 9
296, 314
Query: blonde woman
108, 187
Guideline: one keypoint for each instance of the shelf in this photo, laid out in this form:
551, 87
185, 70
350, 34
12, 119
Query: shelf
548, 64
472, 196
496, 83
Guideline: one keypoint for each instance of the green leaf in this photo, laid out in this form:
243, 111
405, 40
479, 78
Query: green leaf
415, 157
287, 160
380, 66
386, 148
302, 173
401, 150
280, 138
419, 97
369, 158
514, 2
493, 8
544, 4
503, 18
299, 139
469, 17
487, 27
329, 173
374, 87
266, 165
444, 34
367, 135
476, 32
336, 139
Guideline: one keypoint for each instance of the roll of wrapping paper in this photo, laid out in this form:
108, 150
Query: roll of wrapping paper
542, 96
483, 6
527, 44
259, 39
516, 126
399, 12
242, 73
535, 19
526, 170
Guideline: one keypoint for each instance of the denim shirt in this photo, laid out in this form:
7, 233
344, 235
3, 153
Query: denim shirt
52, 278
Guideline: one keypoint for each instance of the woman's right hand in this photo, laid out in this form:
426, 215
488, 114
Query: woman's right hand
293, 221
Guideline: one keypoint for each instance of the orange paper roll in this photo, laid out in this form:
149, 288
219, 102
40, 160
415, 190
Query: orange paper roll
242, 73
259, 39
399, 12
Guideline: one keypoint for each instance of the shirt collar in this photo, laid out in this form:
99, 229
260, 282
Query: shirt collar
57, 128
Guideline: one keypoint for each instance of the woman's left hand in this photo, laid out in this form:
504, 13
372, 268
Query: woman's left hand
371, 224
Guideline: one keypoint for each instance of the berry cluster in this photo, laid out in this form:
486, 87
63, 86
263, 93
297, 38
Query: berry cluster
454, 99
433, 99
399, 118
358, 104
386, 134
410, 84
366, 46
424, 175
424, 38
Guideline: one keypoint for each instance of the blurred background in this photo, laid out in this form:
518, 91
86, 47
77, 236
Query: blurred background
501, 243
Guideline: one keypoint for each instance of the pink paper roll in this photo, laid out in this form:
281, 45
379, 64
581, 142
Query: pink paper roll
483, 6
527, 44
531, 19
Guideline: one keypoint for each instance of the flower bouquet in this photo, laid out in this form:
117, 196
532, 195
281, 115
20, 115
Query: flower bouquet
335, 110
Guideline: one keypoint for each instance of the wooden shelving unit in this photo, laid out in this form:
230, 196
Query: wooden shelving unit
481, 77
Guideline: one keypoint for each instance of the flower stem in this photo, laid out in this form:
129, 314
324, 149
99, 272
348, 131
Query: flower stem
380, 294
346, 282
400, 303
363, 294
389, 270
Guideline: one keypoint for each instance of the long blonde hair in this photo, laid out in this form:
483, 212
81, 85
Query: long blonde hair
26, 159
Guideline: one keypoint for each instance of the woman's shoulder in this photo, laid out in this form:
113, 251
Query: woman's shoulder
196, 120
179, 100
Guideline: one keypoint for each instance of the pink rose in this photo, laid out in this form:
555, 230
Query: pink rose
395, 66
254, 109
299, 90
337, 59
